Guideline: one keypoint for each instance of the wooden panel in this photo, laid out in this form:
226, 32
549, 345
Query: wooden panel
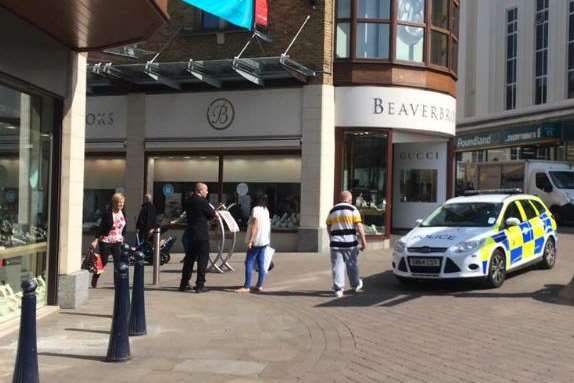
92, 24
386, 74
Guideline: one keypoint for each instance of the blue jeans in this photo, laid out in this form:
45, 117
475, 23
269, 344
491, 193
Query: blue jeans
255, 254
342, 259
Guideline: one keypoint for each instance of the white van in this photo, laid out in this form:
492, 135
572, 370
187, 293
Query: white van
552, 181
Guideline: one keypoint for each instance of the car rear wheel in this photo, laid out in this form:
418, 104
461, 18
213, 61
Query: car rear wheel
549, 256
496, 270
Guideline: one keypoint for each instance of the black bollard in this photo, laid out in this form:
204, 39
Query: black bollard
119, 346
26, 370
137, 313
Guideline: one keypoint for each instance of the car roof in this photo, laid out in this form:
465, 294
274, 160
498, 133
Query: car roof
489, 198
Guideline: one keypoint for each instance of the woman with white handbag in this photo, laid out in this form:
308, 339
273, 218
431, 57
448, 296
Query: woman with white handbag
258, 237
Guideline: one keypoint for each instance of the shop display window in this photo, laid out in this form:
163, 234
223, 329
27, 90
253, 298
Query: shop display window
365, 176
26, 128
419, 185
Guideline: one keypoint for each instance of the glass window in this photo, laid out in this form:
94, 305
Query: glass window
343, 9
454, 56
541, 209
464, 215
343, 40
512, 212
454, 20
26, 136
365, 175
511, 56
528, 209
563, 179
439, 48
440, 13
541, 30
373, 40
209, 21
418, 185
103, 176
374, 9
411, 10
571, 50
278, 176
542, 181
410, 43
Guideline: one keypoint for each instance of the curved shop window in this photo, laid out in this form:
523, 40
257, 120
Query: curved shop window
233, 180
26, 149
403, 31
103, 176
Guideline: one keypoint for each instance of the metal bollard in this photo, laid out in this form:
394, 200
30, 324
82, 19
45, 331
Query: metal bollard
119, 345
26, 369
137, 324
156, 255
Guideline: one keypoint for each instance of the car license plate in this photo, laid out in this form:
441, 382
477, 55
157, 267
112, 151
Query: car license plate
428, 262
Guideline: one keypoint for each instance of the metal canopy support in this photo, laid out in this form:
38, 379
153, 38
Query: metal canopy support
197, 71
150, 69
245, 68
113, 75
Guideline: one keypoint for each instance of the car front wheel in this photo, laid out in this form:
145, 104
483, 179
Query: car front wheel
549, 257
496, 270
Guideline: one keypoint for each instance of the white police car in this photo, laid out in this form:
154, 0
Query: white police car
478, 236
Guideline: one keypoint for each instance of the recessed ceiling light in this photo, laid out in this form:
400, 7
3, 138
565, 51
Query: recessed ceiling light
187, 157
10, 127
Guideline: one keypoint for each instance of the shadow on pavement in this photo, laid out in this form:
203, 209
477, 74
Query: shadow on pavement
86, 314
72, 356
88, 330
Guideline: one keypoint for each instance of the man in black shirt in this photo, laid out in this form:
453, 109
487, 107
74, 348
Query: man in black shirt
199, 212
147, 219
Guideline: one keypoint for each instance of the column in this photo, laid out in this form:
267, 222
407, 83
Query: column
73, 282
318, 166
135, 158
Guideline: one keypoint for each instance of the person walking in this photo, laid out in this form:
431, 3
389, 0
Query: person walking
347, 237
198, 214
111, 233
147, 219
258, 238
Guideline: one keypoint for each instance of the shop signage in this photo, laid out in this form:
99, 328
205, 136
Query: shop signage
220, 114
106, 117
395, 108
508, 137
419, 156
167, 190
104, 120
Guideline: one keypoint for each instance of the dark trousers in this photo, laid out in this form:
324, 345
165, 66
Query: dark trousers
115, 250
197, 252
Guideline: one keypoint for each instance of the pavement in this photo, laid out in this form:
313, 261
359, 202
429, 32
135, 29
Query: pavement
297, 331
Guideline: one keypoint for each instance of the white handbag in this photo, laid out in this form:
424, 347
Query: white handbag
268, 257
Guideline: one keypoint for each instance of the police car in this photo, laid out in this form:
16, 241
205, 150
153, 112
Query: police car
483, 236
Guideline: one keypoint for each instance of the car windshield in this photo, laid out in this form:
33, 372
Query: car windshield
563, 180
475, 214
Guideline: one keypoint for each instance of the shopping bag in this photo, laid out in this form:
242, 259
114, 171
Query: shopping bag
268, 257
99, 265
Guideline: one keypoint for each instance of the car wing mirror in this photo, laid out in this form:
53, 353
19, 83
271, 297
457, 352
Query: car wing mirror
512, 221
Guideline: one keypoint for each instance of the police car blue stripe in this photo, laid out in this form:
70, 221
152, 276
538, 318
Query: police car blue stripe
501, 238
527, 233
516, 255
538, 245
484, 263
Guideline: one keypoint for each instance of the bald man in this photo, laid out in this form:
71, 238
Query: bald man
347, 237
198, 213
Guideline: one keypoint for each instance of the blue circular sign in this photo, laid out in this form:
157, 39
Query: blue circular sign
167, 190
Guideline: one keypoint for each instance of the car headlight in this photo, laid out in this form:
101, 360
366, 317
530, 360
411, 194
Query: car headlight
467, 246
400, 247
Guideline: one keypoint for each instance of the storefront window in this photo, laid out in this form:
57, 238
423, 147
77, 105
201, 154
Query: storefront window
365, 175
26, 126
418, 185
278, 176
103, 176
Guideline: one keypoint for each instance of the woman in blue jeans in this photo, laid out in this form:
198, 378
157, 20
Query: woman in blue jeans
257, 239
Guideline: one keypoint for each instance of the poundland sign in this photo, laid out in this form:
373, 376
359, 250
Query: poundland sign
508, 137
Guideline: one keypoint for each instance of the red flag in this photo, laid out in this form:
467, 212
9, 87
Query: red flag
262, 13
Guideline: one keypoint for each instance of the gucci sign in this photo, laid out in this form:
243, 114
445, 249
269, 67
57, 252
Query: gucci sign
220, 114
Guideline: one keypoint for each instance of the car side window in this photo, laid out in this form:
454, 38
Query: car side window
528, 209
542, 181
512, 212
541, 209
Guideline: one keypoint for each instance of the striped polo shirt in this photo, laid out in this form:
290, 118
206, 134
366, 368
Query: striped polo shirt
342, 218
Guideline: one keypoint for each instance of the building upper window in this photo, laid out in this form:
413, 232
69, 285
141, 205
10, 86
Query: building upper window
511, 56
571, 50
541, 78
397, 30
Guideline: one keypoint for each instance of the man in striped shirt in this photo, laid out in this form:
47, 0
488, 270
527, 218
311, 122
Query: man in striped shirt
343, 224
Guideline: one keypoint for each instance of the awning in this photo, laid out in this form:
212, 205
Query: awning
104, 77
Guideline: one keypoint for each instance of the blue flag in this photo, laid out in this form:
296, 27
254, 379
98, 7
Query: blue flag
238, 12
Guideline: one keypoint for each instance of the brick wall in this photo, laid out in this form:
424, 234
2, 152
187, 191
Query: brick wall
313, 48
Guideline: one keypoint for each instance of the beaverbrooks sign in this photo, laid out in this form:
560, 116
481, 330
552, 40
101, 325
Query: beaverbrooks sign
527, 134
392, 108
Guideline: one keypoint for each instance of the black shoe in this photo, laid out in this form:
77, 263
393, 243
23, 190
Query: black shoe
184, 288
200, 290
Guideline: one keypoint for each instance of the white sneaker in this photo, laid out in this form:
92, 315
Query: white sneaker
359, 287
339, 293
